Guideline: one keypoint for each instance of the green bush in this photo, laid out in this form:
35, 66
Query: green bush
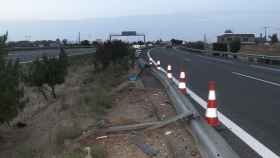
50, 71
196, 45
220, 47
235, 45
73, 155
24, 151
11, 89
113, 52
98, 151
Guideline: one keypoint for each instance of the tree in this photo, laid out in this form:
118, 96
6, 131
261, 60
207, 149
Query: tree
235, 45
220, 47
94, 43
49, 71
11, 90
274, 38
85, 43
176, 42
114, 52
196, 45
65, 42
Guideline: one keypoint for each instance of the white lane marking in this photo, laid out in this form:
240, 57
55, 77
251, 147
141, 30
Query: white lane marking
253, 143
258, 79
265, 68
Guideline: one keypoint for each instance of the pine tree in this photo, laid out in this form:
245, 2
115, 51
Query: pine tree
49, 71
12, 92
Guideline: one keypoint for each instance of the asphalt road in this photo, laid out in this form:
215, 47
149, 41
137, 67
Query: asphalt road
246, 94
29, 55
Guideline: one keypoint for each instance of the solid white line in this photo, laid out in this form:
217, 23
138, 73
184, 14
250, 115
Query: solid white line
253, 143
258, 79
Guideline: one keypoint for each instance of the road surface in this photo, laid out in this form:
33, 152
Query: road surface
247, 94
29, 55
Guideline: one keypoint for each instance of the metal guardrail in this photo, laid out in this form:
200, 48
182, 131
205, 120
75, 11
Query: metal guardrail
242, 56
45, 48
211, 144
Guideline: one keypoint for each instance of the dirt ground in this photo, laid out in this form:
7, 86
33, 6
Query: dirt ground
262, 49
63, 127
49, 122
144, 104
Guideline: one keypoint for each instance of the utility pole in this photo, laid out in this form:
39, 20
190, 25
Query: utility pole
265, 32
205, 41
79, 38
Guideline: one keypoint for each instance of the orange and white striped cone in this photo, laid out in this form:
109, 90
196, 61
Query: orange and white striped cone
158, 65
211, 111
182, 83
150, 61
169, 72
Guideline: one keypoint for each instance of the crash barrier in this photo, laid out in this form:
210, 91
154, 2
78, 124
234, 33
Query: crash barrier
254, 58
210, 141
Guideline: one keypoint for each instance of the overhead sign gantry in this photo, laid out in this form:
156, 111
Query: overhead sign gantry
128, 33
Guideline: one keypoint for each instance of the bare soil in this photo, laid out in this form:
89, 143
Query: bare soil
49, 122
262, 49
138, 105
63, 127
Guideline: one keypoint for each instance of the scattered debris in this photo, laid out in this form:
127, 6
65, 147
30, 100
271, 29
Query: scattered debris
138, 140
168, 133
102, 137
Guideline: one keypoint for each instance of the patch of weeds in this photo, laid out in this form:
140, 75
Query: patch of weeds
24, 151
98, 151
73, 155
97, 100
69, 133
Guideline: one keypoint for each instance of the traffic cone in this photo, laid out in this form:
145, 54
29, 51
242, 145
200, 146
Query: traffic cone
169, 72
211, 111
150, 61
182, 83
158, 65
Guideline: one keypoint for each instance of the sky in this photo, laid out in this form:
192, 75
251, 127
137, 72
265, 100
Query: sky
83, 9
21, 16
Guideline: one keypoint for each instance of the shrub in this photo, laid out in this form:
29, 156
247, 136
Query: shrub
73, 155
176, 42
113, 53
11, 90
50, 71
235, 45
98, 151
196, 45
220, 47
